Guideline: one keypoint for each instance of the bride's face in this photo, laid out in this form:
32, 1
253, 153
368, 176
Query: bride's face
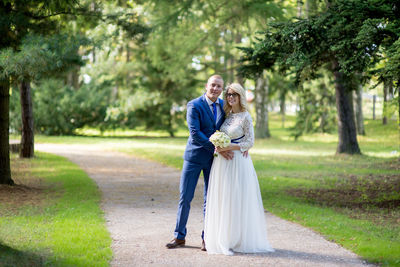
233, 98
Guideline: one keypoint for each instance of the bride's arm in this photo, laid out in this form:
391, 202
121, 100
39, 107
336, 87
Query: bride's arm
228, 148
248, 140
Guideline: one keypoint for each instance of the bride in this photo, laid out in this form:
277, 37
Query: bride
234, 220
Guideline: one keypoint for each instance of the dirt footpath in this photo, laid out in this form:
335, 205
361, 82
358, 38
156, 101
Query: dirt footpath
140, 200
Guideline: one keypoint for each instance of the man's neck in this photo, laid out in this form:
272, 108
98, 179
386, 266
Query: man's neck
214, 101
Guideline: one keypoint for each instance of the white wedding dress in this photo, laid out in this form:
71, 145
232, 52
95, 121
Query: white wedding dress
235, 220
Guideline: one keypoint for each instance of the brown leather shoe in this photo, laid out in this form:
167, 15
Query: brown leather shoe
175, 243
203, 246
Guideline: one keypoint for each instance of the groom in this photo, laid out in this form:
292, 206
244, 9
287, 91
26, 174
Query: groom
205, 115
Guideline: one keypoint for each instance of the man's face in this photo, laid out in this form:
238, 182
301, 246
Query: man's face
214, 88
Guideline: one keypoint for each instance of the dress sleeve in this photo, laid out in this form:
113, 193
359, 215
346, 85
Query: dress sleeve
248, 131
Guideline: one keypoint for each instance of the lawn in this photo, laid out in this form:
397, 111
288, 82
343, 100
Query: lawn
52, 217
351, 200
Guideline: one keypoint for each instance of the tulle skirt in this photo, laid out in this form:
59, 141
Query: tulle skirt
234, 220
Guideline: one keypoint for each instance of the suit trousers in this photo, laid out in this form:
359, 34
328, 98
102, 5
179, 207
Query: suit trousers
189, 178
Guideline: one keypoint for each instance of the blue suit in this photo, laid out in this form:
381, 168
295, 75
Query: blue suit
198, 157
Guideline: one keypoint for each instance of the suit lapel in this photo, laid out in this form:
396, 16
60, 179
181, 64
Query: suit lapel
221, 105
208, 110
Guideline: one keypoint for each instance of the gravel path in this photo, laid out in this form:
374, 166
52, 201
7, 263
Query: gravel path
140, 200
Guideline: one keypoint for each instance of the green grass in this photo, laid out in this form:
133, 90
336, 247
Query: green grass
61, 225
352, 200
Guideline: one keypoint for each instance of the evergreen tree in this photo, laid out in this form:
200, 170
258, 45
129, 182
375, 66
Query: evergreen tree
17, 18
346, 39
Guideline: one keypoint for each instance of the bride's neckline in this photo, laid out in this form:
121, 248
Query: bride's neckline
232, 113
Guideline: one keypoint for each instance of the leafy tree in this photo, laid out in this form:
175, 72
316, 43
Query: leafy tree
316, 113
17, 18
37, 57
345, 39
203, 36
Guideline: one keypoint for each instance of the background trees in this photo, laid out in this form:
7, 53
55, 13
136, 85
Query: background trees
345, 39
18, 18
135, 64
23, 58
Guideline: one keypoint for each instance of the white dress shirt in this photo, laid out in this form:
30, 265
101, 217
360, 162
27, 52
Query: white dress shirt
219, 112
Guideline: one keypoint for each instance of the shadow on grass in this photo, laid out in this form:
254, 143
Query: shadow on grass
356, 191
13, 257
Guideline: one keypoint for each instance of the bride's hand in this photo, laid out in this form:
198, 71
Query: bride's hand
228, 148
220, 149
227, 154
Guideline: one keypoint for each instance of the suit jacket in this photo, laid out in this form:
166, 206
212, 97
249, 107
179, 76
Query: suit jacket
201, 125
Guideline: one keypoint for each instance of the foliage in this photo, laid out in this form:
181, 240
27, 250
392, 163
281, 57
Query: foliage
40, 56
209, 31
317, 110
49, 46
347, 39
60, 109
164, 99
350, 32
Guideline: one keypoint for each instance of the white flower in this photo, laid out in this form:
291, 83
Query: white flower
220, 139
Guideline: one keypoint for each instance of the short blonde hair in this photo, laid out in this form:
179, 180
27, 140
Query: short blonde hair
215, 76
237, 88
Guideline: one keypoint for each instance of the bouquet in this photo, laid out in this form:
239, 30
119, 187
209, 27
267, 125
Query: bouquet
220, 139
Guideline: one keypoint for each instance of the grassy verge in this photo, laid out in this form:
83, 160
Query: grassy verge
54, 218
352, 200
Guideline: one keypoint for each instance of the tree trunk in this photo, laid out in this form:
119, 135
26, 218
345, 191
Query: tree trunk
311, 8
231, 68
282, 104
373, 106
261, 99
5, 170
128, 52
73, 77
94, 55
386, 89
238, 40
359, 117
170, 127
299, 8
398, 98
27, 137
346, 126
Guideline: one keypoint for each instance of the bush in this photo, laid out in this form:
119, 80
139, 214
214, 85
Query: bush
60, 109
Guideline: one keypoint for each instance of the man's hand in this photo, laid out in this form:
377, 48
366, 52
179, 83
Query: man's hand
227, 154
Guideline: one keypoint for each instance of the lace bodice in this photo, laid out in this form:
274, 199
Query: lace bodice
237, 125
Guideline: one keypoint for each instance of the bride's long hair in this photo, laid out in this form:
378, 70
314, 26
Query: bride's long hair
237, 88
